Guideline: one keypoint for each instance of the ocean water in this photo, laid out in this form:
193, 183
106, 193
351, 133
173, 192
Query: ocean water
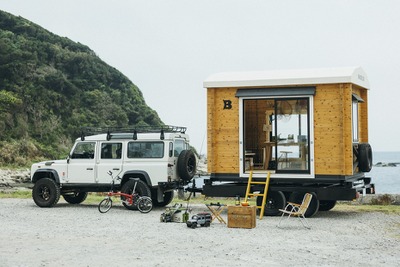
386, 179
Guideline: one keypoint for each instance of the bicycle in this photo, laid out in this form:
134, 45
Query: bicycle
143, 203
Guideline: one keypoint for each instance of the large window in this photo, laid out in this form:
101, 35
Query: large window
145, 149
276, 134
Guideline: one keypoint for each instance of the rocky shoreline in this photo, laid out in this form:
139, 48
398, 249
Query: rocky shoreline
14, 179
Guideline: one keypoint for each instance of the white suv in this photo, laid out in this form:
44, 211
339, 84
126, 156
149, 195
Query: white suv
157, 161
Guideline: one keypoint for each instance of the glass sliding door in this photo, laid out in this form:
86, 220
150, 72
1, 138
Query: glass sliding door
291, 128
276, 135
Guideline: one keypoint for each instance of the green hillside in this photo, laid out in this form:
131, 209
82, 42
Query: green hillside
50, 87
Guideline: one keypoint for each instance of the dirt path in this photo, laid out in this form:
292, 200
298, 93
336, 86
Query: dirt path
68, 235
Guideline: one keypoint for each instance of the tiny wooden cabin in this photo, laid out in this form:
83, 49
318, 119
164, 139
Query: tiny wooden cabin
297, 124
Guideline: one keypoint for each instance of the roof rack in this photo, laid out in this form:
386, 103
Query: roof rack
134, 130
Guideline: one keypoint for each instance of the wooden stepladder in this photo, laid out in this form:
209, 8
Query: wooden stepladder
264, 194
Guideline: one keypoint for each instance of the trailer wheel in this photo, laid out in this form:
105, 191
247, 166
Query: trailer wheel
325, 205
364, 157
275, 200
297, 197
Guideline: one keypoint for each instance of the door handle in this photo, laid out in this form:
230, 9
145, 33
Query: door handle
89, 169
116, 169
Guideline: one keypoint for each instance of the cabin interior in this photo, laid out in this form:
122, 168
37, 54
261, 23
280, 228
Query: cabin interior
276, 134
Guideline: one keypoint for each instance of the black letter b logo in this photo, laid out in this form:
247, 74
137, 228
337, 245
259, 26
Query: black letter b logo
227, 104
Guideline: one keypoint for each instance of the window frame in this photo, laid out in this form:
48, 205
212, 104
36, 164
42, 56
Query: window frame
301, 175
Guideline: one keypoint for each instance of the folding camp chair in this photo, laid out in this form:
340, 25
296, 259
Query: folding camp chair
293, 209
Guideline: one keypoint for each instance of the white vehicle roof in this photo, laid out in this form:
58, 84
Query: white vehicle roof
140, 136
354, 75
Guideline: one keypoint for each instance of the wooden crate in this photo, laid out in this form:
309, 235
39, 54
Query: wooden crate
241, 217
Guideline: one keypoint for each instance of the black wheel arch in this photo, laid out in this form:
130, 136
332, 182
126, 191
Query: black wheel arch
45, 173
136, 174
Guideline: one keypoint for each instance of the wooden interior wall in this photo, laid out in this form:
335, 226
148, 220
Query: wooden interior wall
222, 130
332, 130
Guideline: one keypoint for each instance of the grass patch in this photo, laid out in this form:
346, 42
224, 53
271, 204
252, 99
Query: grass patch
94, 198
17, 194
389, 209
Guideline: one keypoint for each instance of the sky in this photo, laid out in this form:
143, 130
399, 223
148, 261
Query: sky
169, 47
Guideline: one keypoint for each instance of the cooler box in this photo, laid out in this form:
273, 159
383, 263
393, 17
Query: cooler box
241, 216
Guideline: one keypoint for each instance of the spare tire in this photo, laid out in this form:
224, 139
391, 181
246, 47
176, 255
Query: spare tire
364, 157
186, 165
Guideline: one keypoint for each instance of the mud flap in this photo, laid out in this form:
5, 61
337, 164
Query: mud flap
160, 195
181, 193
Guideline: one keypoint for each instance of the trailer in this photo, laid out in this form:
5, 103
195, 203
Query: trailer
307, 127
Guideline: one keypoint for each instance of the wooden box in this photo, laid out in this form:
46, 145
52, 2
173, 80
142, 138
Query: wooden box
241, 217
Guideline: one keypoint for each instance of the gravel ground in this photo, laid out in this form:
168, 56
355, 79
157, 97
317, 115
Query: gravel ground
78, 235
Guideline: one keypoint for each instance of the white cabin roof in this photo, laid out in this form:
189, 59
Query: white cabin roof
354, 75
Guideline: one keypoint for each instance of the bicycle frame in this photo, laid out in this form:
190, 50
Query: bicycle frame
129, 200
144, 203
128, 197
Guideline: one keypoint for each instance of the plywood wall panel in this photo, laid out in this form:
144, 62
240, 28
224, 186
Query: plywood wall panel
222, 131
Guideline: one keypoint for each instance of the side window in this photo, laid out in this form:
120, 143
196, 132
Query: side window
111, 150
171, 149
355, 121
84, 150
179, 146
145, 149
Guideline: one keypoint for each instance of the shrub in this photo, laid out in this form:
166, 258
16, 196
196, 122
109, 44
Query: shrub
385, 199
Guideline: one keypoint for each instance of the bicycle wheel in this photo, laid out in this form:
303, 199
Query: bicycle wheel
145, 204
105, 205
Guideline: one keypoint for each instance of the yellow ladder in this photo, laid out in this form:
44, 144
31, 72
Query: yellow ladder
264, 194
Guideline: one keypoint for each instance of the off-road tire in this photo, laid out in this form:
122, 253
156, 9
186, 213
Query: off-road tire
46, 193
364, 157
75, 197
186, 165
141, 188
